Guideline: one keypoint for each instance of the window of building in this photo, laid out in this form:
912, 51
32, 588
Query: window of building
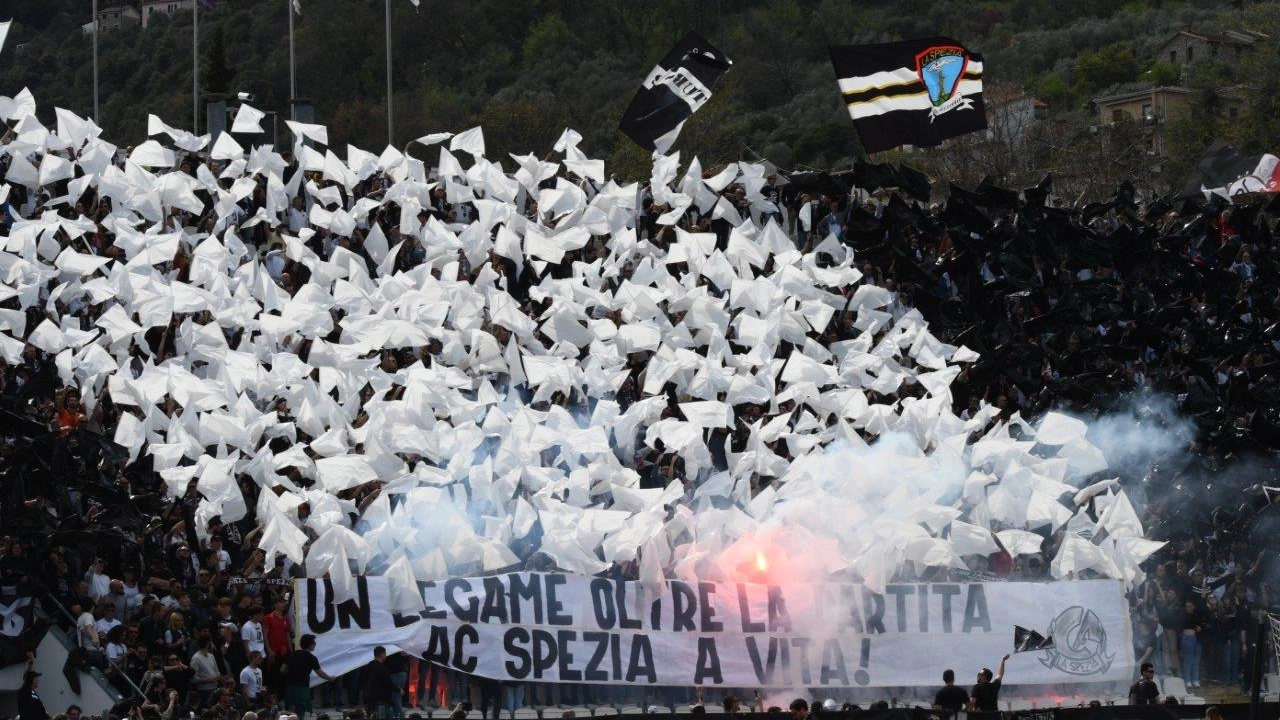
1191, 53
1232, 113
1173, 56
1146, 110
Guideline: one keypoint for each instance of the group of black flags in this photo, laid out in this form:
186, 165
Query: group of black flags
914, 92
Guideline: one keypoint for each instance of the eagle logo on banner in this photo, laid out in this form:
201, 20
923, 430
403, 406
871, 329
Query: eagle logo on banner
1080, 643
941, 68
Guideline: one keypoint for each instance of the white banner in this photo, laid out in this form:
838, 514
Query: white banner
548, 627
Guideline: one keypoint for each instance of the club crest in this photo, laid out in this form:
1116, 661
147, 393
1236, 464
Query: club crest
940, 69
1080, 646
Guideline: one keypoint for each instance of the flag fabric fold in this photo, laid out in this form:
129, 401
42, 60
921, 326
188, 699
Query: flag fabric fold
673, 91
1025, 640
914, 92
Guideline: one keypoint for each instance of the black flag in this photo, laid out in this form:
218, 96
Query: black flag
675, 89
1025, 640
914, 92
1226, 171
19, 630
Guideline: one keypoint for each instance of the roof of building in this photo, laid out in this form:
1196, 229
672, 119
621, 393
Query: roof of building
1228, 37
1142, 92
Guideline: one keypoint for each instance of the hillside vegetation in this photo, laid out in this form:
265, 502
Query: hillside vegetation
525, 70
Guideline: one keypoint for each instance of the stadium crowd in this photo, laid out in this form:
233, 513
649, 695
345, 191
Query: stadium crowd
1076, 308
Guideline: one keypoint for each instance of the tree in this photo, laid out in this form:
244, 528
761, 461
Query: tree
1107, 66
546, 37
216, 75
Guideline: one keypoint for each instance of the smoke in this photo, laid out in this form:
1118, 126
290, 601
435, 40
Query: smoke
1142, 430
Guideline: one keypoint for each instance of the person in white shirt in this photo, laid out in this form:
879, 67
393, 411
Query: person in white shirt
108, 621
224, 558
251, 633
274, 262
298, 218
251, 680
99, 582
86, 631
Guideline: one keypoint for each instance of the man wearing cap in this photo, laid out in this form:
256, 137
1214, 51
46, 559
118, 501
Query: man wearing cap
1145, 691
30, 707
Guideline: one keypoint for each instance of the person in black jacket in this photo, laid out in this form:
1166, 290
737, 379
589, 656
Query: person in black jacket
377, 684
951, 697
1145, 691
30, 706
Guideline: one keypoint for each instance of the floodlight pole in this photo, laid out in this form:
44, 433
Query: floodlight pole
95, 62
195, 66
293, 78
390, 124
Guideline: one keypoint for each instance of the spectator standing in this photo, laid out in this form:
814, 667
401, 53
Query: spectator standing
30, 707
251, 680
986, 694
207, 674
951, 697
277, 638
377, 684
297, 672
1190, 625
251, 633
1145, 691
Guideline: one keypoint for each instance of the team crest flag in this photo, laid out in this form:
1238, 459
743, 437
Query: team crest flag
913, 92
673, 91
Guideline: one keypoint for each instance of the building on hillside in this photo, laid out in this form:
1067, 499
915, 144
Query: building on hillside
1188, 47
114, 18
1010, 118
1153, 107
154, 8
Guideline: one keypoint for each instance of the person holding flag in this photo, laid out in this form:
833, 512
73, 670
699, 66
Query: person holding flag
986, 694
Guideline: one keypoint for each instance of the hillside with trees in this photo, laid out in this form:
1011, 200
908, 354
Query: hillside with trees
526, 70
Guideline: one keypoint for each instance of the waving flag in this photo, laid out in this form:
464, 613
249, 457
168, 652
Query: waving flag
1025, 640
674, 90
914, 92
1226, 171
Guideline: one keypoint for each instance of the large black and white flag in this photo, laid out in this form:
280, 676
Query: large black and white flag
914, 92
676, 87
19, 630
1227, 172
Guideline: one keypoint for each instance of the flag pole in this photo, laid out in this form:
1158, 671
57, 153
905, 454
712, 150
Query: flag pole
95, 62
293, 81
390, 125
195, 66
